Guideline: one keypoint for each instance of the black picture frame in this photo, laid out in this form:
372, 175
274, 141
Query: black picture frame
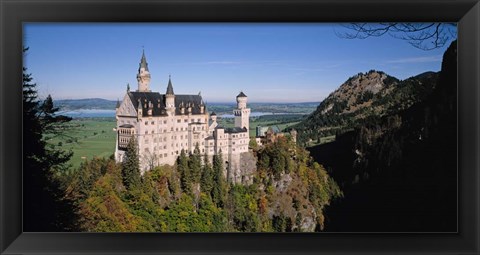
14, 13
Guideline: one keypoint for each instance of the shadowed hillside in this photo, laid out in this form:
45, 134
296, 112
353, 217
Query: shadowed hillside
398, 172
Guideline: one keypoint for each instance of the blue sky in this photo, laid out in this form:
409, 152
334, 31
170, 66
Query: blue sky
280, 62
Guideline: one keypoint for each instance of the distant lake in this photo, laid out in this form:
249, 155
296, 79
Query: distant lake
97, 113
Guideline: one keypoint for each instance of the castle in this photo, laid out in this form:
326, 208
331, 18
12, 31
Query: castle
166, 124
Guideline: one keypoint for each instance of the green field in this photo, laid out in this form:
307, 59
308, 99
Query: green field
88, 138
94, 137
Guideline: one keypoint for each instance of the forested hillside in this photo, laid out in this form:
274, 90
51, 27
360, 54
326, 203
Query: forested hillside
399, 171
289, 193
365, 95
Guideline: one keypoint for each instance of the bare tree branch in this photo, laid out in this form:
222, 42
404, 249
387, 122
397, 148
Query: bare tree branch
424, 36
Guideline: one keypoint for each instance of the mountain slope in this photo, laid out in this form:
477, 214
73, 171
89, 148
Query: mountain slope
365, 95
399, 172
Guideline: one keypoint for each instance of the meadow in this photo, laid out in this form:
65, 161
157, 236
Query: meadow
88, 138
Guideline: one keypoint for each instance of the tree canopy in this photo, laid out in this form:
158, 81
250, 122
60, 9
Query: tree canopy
45, 208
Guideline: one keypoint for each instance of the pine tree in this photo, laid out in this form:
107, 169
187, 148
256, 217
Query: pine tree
184, 171
219, 191
206, 183
131, 166
45, 208
195, 164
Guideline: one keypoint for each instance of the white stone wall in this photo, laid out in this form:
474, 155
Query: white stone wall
161, 138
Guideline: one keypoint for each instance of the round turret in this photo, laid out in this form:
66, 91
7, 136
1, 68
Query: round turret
241, 100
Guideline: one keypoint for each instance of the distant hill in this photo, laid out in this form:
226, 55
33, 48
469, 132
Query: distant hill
219, 108
87, 103
293, 108
362, 96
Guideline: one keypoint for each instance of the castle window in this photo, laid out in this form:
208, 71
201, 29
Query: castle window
164, 122
171, 129
178, 121
164, 139
153, 132
186, 120
146, 122
198, 120
203, 150
146, 132
153, 122
165, 154
165, 147
176, 129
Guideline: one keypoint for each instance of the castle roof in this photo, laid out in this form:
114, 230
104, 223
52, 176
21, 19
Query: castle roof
157, 101
235, 130
241, 94
169, 87
213, 114
143, 61
273, 129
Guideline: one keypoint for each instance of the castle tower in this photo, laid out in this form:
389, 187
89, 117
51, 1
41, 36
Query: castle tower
242, 113
170, 98
143, 76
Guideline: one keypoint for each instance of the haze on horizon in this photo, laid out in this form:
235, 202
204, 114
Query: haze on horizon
281, 62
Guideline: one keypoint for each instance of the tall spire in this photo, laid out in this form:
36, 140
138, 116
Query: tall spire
169, 87
143, 76
143, 61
